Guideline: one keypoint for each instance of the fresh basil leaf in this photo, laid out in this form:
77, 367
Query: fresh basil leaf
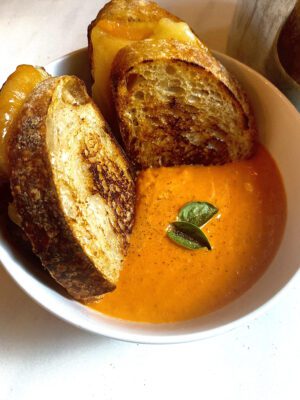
187, 235
197, 212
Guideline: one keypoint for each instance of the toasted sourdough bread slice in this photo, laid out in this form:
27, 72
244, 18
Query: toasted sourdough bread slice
72, 187
177, 104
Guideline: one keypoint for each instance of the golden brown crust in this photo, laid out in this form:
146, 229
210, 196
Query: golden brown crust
37, 202
134, 11
127, 11
127, 62
148, 50
149, 11
177, 148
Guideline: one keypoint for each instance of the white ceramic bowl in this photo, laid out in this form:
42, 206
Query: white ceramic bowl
279, 127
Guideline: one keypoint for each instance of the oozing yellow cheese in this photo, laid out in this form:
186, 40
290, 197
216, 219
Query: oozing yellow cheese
108, 37
13, 94
168, 29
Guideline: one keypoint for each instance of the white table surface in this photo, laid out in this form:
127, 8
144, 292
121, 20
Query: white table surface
43, 357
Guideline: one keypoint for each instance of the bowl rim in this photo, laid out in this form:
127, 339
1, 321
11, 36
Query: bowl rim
142, 338
170, 338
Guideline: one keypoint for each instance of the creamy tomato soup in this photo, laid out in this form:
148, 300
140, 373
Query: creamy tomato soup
164, 282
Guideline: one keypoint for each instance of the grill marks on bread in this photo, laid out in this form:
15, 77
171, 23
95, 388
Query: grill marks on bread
177, 105
77, 217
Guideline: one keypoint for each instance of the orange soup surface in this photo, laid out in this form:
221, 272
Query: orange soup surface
163, 282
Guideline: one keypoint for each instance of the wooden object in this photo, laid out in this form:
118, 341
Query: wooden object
254, 29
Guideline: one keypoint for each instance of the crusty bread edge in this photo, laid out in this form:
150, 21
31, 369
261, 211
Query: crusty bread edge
147, 50
206, 58
107, 13
43, 220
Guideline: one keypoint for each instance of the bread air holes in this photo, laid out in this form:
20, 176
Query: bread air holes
170, 87
139, 95
200, 92
204, 95
133, 80
170, 70
132, 115
192, 99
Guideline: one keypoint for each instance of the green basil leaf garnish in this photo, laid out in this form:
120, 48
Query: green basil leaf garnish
187, 235
197, 212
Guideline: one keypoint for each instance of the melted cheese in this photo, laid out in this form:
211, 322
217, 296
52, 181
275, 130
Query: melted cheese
168, 29
108, 37
12, 97
163, 282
